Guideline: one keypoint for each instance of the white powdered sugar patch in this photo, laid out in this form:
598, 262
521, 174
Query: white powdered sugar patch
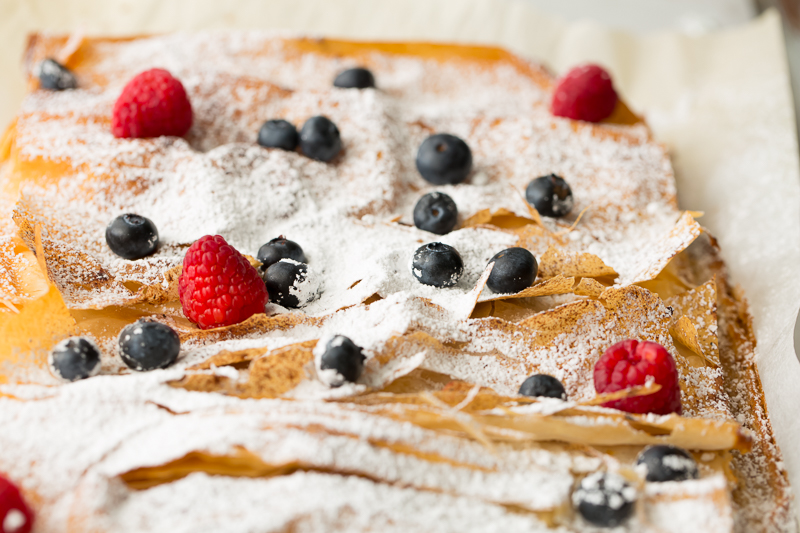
72, 443
220, 182
135, 421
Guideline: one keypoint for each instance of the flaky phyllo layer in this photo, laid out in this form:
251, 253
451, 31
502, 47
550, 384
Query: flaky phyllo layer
433, 437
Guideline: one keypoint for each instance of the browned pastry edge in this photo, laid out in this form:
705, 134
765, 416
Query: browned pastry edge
760, 475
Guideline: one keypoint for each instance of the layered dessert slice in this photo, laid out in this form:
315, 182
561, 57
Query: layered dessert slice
413, 285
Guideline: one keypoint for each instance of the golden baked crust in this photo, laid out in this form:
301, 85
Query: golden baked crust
438, 393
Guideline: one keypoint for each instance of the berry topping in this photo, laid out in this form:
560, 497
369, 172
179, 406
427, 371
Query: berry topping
514, 270
15, 515
285, 280
75, 358
278, 134
664, 462
132, 236
437, 264
280, 248
630, 363
218, 285
584, 93
146, 345
543, 385
550, 195
319, 139
444, 159
604, 499
435, 212
354, 78
152, 104
55, 76
340, 360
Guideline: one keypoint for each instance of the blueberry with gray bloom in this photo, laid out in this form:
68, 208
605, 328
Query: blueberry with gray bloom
664, 462
75, 358
345, 357
132, 236
437, 264
542, 385
435, 212
354, 78
146, 345
514, 270
444, 159
55, 76
281, 278
550, 195
278, 134
280, 248
604, 499
319, 139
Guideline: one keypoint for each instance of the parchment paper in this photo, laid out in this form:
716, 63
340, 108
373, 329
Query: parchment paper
720, 102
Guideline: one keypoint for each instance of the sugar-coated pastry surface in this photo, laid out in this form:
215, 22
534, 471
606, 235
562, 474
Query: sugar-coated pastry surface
244, 432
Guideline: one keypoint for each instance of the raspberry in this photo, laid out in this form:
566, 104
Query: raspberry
629, 363
218, 286
584, 93
15, 515
152, 104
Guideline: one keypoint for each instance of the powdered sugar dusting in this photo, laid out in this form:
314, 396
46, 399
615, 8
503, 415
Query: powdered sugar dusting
345, 216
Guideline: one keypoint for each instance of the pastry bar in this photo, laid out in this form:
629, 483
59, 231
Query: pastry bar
258, 282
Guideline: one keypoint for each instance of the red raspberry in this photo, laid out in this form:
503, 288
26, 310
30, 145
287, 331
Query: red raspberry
15, 515
584, 93
152, 104
218, 286
629, 363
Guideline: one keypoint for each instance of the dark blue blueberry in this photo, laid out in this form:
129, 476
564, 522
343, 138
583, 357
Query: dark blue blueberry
75, 358
514, 270
543, 385
444, 159
55, 76
437, 264
280, 278
343, 356
435, 212
132, 236
278, 134
319, 139
280, 248
146, 345
604, 499
550, 195
354, 78
667, 463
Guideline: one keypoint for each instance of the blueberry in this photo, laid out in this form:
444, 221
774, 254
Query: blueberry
132, 236
444, 159
75, 358
280, 248
319, 139
282, 279
55, 76
667, 463
354, 78
146, 345
514, 270
435, 212
437, 264
343, 356
278, 134
604, 499
550, 195
543, 385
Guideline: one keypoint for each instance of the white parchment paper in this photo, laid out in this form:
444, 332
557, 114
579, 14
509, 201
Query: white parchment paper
720, 102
